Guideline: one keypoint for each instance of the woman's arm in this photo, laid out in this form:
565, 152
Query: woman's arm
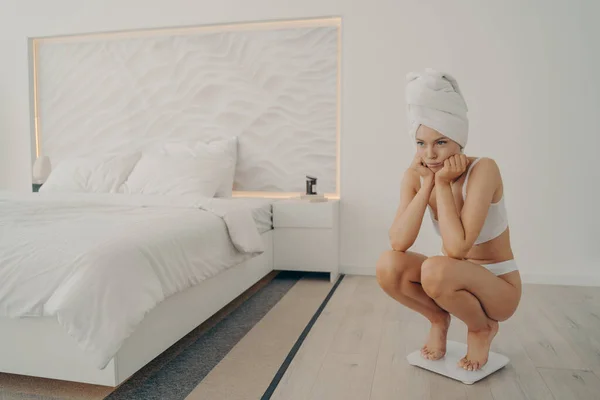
459, 232
409, 216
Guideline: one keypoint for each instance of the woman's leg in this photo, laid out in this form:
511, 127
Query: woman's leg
474, 295
399, 275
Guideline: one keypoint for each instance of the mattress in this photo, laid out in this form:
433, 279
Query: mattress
99, 263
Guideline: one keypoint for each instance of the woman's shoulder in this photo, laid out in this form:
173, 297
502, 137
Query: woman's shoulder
484, 167
484, 164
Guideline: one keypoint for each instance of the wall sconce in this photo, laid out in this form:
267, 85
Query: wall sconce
41, 169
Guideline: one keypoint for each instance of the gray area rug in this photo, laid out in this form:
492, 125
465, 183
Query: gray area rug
176, 372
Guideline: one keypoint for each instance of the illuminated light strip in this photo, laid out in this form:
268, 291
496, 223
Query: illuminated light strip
279, 195
36, 119
188, 30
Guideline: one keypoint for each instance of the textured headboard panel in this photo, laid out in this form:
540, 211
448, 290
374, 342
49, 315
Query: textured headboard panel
274, 85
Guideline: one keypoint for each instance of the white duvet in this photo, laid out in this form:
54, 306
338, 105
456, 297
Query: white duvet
99, 263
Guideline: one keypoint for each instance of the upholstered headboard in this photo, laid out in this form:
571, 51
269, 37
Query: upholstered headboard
276, 86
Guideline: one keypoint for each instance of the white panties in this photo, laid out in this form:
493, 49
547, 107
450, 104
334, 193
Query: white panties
503, 267
500, 268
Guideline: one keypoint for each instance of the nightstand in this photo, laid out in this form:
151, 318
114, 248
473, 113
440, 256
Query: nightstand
306, 236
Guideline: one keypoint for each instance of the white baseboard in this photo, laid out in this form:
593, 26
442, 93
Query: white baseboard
351, 270
531, 278
565, 280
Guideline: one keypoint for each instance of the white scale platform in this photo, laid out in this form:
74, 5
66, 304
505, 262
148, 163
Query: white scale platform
448, 365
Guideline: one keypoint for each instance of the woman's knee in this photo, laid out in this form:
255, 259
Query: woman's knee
506, 312
434, 276
390, 269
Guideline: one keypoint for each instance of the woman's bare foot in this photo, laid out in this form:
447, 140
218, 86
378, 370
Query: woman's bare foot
435, 348
478, 347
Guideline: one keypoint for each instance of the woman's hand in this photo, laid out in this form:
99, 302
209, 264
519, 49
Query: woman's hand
421, 169
454, 167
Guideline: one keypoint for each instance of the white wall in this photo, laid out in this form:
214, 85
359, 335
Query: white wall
527, 68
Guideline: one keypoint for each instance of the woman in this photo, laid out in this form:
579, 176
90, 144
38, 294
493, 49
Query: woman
476, 279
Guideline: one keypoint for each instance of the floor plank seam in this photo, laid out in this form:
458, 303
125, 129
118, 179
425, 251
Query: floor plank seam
567, 369
567, 340
329, 351
290, 357
381, 323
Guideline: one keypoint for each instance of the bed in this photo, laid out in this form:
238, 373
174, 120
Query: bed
167, 149
95, 286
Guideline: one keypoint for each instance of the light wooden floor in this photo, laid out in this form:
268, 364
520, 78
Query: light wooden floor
357, 350
358, 347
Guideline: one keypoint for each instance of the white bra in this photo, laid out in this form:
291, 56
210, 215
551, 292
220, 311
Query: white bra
496, 220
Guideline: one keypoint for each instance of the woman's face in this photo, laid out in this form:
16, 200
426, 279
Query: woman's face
434, 148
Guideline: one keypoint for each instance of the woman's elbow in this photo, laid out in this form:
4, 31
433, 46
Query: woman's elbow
400, 245
456, 252
456, 255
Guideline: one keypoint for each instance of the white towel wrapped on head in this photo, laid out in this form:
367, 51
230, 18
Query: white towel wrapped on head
435, 100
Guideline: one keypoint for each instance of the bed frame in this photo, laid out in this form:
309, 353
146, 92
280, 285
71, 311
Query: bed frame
41, 347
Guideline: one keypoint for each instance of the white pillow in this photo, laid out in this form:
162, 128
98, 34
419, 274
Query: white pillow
100, 174
160, 174
225, 150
